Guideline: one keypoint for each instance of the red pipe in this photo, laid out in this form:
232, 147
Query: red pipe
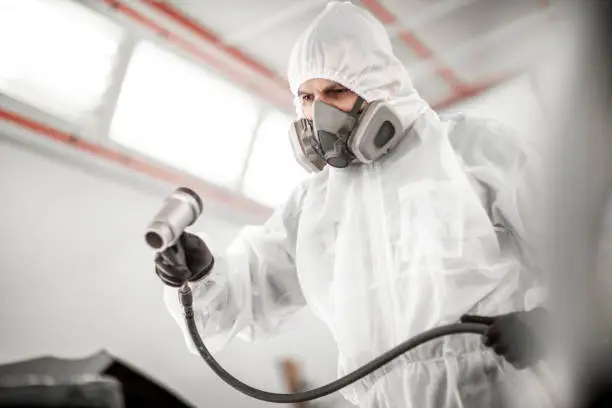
420, 49
209, 191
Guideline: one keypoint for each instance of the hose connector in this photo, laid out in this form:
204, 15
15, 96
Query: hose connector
186, 299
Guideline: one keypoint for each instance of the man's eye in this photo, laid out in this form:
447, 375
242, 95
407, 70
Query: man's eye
306, 98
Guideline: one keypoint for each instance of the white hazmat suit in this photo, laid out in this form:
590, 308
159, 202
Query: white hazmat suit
384, 251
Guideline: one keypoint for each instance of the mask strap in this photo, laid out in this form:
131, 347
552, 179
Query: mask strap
357, 106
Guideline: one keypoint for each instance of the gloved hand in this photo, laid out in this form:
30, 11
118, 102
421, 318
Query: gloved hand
189, 260
514, 336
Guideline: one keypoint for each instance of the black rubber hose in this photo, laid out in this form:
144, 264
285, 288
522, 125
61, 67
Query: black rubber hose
187, 301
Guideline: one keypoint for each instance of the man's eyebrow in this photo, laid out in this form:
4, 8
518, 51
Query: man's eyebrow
333, 86
328, 88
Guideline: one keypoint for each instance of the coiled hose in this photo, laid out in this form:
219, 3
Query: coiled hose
186, 298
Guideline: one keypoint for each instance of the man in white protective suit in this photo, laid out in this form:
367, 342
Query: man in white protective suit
408, 222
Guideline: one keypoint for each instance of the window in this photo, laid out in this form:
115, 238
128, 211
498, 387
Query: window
56, 55
272, 170
175, 112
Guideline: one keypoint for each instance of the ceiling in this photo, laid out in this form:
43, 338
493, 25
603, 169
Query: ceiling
452, 48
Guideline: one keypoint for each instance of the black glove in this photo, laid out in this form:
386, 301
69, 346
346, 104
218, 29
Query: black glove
188, 260
514, 336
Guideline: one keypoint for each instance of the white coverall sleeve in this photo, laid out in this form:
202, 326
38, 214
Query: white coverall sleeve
253, 289
504, 160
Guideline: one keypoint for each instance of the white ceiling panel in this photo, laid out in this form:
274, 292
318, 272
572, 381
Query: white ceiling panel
509, 59
504, 50
472, 21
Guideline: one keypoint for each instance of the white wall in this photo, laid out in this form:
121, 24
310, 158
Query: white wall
77, 277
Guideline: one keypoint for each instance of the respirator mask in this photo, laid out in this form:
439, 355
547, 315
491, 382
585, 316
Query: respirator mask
340, 138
